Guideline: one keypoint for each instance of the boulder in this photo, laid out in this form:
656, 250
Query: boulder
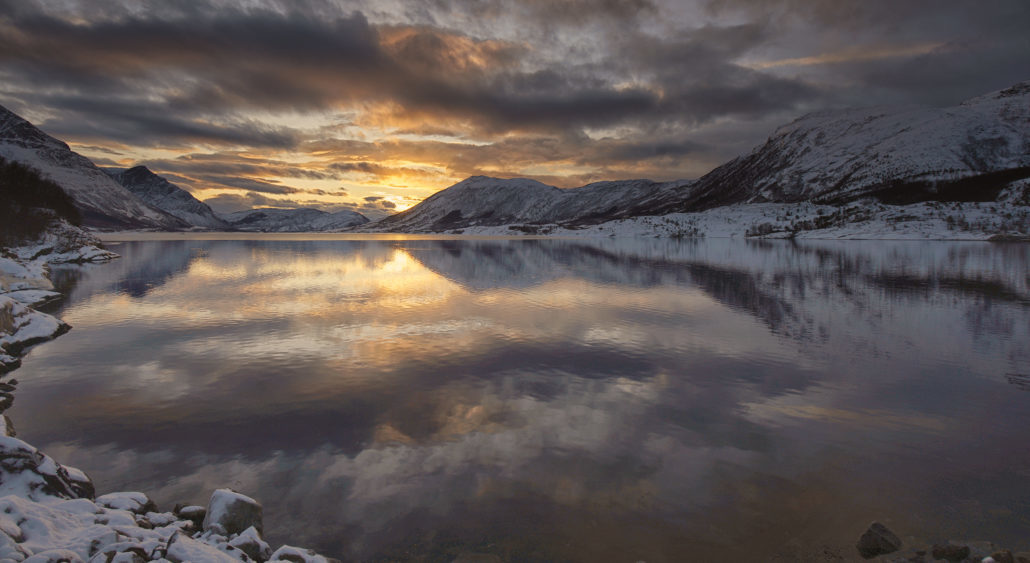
229, 512
184, 549
192, 513
950, 552
249, 541
134, 502
877, 540
31, 474
298, 555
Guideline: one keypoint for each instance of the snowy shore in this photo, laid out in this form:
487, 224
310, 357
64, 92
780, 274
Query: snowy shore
49, 512
858, 220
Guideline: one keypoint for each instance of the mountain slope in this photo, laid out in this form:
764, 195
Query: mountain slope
166, 196
272, 220
103, 202
968, 152
481, 200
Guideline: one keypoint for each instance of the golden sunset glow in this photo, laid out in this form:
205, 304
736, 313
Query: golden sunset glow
372, 107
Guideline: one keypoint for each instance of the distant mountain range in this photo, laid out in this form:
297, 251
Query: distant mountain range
271, 220
970, 152
977, 151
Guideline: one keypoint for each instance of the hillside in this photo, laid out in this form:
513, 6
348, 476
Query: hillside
102, 201
166, 196
273, 220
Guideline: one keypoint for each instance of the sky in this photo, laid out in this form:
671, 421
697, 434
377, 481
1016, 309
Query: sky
373, 105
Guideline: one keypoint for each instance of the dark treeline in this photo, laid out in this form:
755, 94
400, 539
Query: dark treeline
29, 202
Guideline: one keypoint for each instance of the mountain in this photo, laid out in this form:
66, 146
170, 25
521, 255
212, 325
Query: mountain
481, 200
304, 219
103, 202
166, 196
968, 152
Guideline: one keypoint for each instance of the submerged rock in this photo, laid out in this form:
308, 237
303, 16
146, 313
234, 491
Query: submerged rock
950, 552
877, 540
229, 512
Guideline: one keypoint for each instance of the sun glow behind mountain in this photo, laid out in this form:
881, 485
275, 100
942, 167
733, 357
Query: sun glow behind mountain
373, 106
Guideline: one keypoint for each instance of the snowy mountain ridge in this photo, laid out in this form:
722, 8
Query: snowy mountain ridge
166, 196
304, 219
977, 151
103, 202
486, 201
968, 152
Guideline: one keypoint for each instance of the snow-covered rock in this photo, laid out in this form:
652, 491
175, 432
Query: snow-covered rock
229, 512
63, 243
21, 327
297, 555
27, 473
103, 202
304, 219
166, 196
249, 541
135, 502
46, 515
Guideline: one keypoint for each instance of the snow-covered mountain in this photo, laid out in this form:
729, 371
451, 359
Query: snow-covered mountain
304, 219
969, 152
481, 200
166, 196
104, 203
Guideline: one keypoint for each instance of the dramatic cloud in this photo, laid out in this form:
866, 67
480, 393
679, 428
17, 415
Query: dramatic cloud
397, 100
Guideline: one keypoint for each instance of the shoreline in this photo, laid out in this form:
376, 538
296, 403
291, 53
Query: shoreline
51, 512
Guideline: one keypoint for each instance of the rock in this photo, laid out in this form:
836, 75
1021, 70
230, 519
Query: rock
134, 502
7, 427
478, 558
298, 555
250, 542
877, 540
229, 512
31, 474
55, 556
184, 549
1003, 556
950, 552
192, 513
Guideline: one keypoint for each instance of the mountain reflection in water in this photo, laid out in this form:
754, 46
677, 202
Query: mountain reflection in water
553, 399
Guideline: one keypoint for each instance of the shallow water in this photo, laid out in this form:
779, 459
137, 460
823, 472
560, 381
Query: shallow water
553, 399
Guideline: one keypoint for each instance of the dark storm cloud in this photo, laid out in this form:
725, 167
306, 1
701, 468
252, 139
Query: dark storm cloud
145, 123
977, 46
229, 163
615, 88
272, 60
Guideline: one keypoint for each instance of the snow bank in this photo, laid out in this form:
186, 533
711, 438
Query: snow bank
25, 282
858, 220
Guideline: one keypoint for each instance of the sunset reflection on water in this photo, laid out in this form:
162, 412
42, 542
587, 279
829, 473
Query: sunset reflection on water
550, 400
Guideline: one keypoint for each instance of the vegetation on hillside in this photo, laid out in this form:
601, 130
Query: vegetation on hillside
29, 203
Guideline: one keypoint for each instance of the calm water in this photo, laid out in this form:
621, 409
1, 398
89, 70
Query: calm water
554, 399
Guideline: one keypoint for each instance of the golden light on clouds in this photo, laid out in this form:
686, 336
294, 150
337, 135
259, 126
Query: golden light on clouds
851, 55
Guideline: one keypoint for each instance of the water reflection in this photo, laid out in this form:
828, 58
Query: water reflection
553, 399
